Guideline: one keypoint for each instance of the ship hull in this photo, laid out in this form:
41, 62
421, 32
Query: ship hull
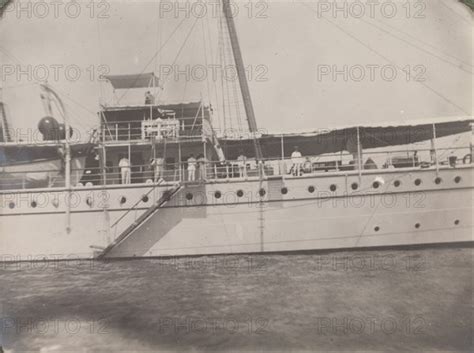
292, 214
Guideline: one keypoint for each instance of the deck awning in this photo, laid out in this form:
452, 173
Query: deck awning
144, 80
336, 140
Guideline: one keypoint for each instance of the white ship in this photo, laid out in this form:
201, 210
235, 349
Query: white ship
354, 187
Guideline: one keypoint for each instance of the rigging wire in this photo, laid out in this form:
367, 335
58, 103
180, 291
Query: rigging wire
214, 79
222, 90
206, 61
462, 61
99, 38
446, 99
416, 46
181, 48
159, 41
458, 15
155, 55
63, 94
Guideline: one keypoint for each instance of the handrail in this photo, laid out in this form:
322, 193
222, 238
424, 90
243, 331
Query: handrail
143, 217
19, 178
133, 206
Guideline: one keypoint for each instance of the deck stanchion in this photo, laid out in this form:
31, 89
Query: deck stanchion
359, 155
282, 167
433, 146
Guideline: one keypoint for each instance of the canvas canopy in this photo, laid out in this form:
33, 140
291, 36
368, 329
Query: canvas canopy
336, 140
132, 81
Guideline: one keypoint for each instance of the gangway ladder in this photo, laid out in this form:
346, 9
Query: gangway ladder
167, 196
4, 129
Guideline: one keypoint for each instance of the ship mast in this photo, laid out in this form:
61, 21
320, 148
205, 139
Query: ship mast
244, 87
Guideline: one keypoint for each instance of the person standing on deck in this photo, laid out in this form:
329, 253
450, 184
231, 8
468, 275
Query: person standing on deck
242, 164
297, 160
191, 168
202, 164
157, 165
125, 172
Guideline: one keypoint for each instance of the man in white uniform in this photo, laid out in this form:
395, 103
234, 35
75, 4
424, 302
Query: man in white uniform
242, 163
297, 161
125, 172
191, 168
157, 166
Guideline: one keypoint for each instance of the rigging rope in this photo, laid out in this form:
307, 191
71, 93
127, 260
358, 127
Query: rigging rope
181, 48
155, 55
416, 46
446, 99
462, 61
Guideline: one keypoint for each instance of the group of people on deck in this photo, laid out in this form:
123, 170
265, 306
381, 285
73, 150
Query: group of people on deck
199, 165
196, 166
298, 163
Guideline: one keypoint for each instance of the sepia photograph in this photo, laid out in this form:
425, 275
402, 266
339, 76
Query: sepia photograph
236, 176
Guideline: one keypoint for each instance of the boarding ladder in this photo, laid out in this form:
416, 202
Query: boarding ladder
163, 200
4, 129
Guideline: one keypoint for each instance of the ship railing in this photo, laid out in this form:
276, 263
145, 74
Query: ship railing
139, 174
238, 169
120, 131
32, 179
371, 160
249, 169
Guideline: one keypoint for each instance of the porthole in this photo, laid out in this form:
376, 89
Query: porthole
123, 199
145, 198
189, 196
377, 228
333, 187
456, 222
284, 191
457, 180
34, 204
262, 192
89, 201
11, 205
375, 184
438, 180
311, 189
418, 182
397, 183
217, 194
417, 225
354, 186
240, 193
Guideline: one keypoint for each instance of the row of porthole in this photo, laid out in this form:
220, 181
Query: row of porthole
311, 189
332, 187
418, 225
397, 183
262, 192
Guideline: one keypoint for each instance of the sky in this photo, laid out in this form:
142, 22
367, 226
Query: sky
312, 65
